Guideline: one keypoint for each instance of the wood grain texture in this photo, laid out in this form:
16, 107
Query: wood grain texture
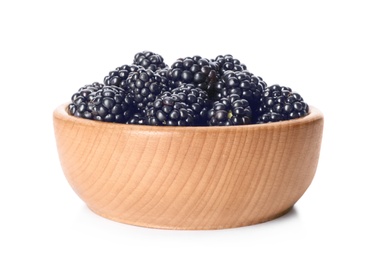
189, 177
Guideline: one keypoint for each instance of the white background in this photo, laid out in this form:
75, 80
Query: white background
321, 49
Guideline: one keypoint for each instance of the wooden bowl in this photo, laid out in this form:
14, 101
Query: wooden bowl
189, 177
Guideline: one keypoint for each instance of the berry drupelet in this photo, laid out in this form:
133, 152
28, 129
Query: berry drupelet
230, 110
195, 70
280, 103
119, 76
149, 60
169, 110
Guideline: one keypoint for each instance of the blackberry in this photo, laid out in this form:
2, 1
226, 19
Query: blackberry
144, 85
164, 74
118, 76
111, 104
81, 105
270, 117
138, 118
242, 83
108, 103
228, 63
195, 70
196, 99
149, 60
169, 110
231, 110
281, 103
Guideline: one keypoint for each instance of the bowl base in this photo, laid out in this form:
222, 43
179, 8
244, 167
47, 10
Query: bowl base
181, 227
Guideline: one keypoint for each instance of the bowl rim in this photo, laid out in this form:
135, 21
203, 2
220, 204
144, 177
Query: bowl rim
61, 113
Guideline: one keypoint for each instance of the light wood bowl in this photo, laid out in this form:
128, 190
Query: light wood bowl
189, 177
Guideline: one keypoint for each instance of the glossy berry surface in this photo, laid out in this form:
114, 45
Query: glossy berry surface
138, 118
81, 105
107, 103
169, 110
144, 85
193, 91
195, 70
231, 110
228, 63
196, 99
149, 60
280, 103
119, 76
242, 83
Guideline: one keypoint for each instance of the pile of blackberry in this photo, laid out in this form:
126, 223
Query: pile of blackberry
193, 91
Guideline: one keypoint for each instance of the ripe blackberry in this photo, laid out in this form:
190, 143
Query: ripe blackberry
118, 76
169, 110
281, 103
242, 83
228, 63
138, 118
196, 99
231, 110
270, 117
196, 70
144, 85
108, 103
81, 105
149, 60
164, 74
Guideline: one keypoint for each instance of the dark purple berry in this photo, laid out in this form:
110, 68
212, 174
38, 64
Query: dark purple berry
149, 60
280, 103
103, 103
169, 110
195, 70
196, 99
119, 76
228, 63
144, 86
231, 110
